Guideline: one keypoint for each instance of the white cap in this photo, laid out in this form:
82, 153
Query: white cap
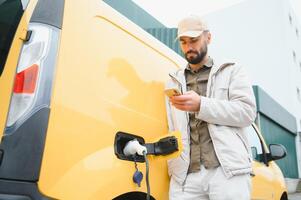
191, 26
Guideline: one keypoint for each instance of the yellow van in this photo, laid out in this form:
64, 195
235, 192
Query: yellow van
78, 82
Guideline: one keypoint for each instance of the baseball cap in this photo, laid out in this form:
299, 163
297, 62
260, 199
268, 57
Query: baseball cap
191, 26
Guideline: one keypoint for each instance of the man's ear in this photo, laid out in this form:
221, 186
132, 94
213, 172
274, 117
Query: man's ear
208, 37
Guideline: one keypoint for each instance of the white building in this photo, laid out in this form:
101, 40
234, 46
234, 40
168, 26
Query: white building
265, 36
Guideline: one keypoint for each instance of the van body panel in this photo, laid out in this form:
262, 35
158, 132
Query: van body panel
108, 79
268, 182
263, 181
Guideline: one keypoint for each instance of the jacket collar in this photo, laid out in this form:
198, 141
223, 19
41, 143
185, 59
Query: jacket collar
220, 64
216, 67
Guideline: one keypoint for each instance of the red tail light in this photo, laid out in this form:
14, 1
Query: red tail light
25, 81
35, 71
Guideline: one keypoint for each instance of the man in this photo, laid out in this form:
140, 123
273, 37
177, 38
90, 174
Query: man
217, 102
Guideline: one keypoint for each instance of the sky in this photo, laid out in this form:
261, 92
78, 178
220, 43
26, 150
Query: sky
178, 9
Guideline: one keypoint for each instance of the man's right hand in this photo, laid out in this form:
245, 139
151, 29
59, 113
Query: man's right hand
189, 101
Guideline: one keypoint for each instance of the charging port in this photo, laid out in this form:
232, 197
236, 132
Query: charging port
121, 139
164, 146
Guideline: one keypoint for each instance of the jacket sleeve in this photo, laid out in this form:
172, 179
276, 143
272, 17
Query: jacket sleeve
238, 111
169, 110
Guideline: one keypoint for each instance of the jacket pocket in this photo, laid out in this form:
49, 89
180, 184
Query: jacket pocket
221, 86
230, 148
221, 93
178, 166
245, 145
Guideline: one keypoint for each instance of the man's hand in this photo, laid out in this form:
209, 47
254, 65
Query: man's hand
190, 101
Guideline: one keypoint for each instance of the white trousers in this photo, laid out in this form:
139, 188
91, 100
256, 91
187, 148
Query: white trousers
211, 184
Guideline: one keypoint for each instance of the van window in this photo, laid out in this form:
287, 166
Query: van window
10, 14
255, 143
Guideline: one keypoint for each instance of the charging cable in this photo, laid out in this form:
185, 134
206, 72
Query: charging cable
147, 174
133, 147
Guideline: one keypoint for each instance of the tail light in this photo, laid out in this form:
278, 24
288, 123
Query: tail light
34, 76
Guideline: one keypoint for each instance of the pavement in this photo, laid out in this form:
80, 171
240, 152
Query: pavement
294, 196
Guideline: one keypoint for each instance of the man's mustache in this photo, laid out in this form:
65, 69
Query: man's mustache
191, 52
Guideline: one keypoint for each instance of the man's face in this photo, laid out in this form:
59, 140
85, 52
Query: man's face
194, 49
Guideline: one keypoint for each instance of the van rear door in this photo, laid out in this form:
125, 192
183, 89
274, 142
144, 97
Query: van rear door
12, 32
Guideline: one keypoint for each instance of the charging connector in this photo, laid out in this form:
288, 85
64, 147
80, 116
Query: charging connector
133, 147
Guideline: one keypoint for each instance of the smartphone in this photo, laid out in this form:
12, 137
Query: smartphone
172, 92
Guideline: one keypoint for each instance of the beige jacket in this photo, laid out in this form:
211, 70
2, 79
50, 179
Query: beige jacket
228, 107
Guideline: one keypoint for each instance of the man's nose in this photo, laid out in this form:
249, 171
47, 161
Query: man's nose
189, 47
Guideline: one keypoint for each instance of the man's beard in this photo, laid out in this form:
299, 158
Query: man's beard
199, 58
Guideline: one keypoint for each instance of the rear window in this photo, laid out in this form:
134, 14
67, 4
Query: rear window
10, 14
